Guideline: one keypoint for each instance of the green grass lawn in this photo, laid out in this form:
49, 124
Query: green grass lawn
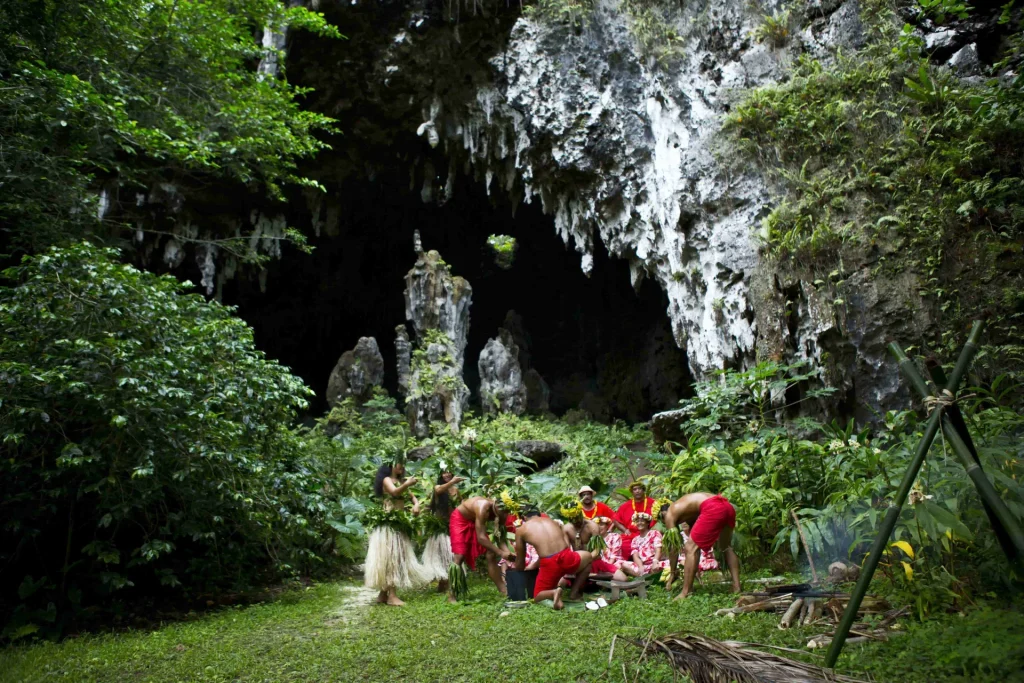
318, 634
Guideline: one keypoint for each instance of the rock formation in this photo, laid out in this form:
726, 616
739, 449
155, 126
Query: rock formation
357, 372
502, 389
622, 147
538, 393
437, 305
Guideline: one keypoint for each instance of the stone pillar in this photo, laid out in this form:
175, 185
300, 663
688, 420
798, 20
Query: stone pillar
357, 372
437, 304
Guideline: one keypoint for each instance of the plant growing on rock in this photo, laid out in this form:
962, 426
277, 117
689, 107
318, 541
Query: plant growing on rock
774, 29
504, 248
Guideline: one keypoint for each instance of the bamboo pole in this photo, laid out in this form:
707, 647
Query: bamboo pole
932, 426
986, 491
875, 554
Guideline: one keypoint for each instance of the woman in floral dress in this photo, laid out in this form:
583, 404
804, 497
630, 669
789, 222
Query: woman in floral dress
645, 549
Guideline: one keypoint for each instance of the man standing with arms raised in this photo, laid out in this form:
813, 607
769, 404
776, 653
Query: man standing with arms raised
468, 529
711, 518
557, 559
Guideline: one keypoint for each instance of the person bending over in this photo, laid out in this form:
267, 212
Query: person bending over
557, 559
468, 529
711, 518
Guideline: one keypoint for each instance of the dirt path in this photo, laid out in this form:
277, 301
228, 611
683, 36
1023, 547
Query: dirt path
352, 606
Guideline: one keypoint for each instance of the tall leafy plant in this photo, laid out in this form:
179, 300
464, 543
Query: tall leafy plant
144, 440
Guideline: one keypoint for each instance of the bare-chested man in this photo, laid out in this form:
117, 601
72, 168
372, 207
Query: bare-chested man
579, 531
557, 558
468, 529
711, 518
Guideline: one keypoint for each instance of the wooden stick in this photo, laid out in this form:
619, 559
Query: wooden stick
794, 609
807, 548
612, 650
763, 606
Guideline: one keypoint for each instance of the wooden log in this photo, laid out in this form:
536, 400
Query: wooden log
791, 614
763, 606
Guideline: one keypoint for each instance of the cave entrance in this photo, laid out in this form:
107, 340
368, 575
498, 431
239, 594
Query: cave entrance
599, 345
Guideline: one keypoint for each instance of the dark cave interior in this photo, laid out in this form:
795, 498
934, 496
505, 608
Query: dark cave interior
594, 340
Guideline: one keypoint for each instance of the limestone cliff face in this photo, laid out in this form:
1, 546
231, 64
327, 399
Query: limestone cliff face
621, 148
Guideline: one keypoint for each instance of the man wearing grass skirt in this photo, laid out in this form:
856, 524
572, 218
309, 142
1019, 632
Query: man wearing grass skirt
712, 519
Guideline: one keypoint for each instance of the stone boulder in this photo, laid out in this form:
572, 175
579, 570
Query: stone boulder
502, 389
668, 426
543, 453
356, 373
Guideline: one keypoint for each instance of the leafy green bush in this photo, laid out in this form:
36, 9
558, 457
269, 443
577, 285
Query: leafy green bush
145, 441
571, 12
840, 479
129, 92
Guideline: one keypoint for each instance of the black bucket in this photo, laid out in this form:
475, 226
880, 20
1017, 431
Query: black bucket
520, 584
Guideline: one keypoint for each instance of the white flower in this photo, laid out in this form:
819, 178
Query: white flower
836, 445
754, 425
469, 435
853, 442
876, 451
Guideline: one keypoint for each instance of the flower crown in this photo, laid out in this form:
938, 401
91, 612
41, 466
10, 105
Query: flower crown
572, 511
658, 506
641, 515
509, 502
601, 520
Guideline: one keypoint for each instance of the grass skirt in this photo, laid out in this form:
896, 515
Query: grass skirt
391, 562
437, 557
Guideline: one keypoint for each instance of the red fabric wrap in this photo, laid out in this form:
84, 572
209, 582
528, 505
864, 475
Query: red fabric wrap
553, 568
715, 514
464, 540
602, 567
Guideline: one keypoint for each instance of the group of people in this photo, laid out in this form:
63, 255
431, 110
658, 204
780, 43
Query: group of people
590, 539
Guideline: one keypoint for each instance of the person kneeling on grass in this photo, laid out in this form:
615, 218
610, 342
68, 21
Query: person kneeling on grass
712, 519
557, 559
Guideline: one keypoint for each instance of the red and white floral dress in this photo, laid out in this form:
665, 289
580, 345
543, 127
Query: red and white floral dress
531, 557
612, 554
646, 547
706, 563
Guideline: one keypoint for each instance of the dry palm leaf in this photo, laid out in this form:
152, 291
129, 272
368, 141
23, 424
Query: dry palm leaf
707, 660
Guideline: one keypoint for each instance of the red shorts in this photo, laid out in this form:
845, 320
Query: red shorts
602, 567
554, 567
715, 514
464, 540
